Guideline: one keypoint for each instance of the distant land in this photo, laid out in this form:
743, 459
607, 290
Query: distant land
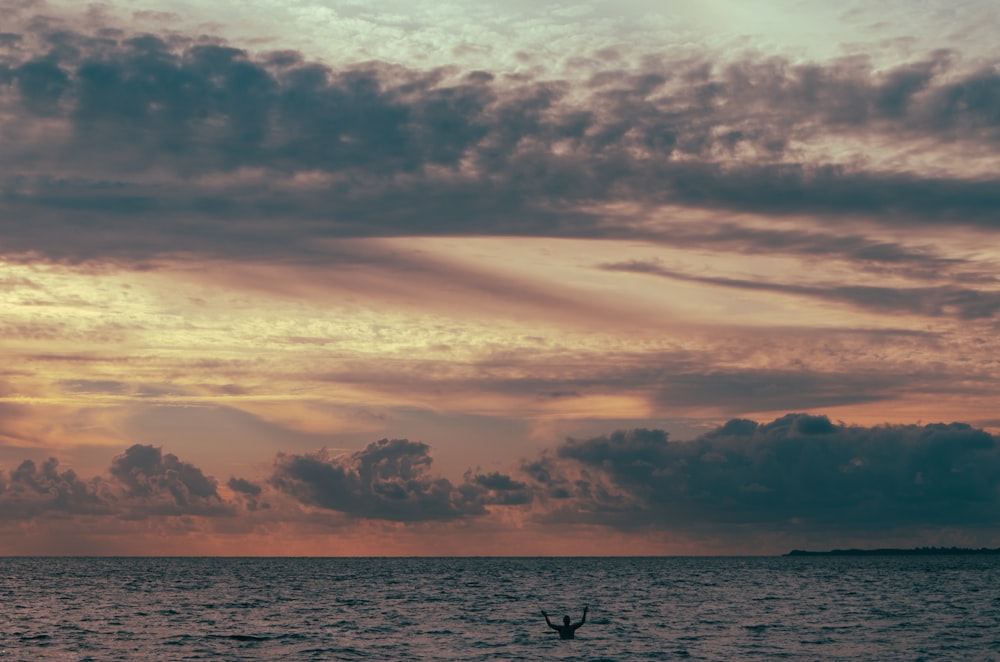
891, 551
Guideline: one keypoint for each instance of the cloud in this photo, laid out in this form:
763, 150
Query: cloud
937, 301
390, 480
32, 490
244, 486
502, 490
161, 484
101, 386
249, 492
171, 144
797, 477
732, 372
869, 253
142, 482
763, 389
799, 474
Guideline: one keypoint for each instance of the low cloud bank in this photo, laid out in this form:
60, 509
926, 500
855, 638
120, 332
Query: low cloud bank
800, 474
142, 482
796, 473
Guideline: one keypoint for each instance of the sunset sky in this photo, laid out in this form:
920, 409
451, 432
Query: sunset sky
333, 277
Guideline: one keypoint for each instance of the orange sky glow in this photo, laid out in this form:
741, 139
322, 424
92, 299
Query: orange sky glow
262, 296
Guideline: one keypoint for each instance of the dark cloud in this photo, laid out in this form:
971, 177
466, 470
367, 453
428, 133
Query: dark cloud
244, 486
155, 483
34, 490
572, 493
550, 478
389, 479
761, 389
249, 492
142, 482
501, 489
180, 145
797, 474
41, 84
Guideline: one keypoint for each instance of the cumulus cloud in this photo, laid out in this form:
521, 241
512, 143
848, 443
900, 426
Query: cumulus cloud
797, 474
158, 483
32, 490
167, 144
390, 480
142, 482
800, 475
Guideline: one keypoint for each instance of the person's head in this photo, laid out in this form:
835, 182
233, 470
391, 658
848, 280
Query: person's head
565, 620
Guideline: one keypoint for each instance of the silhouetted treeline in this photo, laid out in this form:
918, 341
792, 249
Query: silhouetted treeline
890, 551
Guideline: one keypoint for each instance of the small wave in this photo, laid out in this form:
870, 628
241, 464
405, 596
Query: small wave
244, 637
488, 644
877, 611
238, 636
344, 653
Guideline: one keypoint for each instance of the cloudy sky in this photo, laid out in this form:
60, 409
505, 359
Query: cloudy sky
430, 277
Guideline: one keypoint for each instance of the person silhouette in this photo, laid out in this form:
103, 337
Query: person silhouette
566, 630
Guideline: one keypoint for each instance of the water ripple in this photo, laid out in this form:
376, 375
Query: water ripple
829, 608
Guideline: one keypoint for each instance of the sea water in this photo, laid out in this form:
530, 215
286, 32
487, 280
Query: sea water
816, 608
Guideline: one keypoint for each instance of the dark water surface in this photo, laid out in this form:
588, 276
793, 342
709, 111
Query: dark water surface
826, 608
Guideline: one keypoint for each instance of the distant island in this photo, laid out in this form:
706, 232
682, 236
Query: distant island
891, 551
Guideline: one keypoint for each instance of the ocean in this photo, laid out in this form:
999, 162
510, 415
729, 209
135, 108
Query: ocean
754, 608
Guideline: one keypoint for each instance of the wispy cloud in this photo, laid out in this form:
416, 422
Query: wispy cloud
941, 300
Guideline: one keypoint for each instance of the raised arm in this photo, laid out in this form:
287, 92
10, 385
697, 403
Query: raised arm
548, 621
582, 620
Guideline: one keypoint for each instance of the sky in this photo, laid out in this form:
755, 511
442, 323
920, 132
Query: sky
475, 278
